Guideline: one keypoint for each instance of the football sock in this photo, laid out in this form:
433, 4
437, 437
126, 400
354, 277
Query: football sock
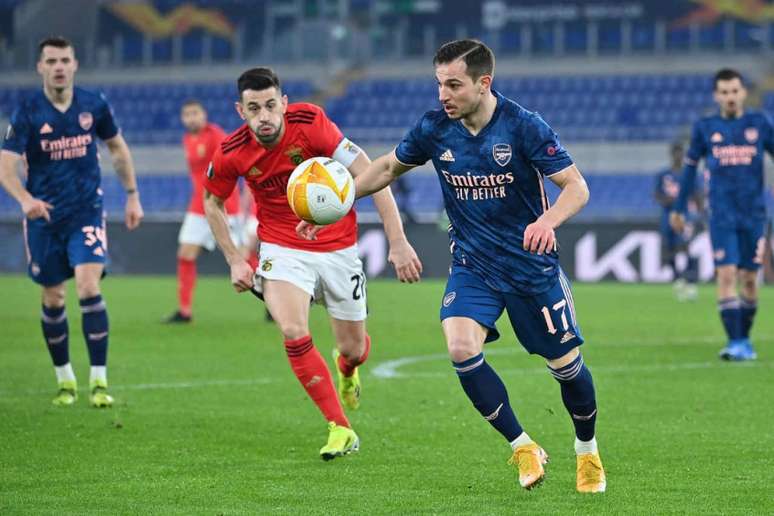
98, 374
54, 323
585, 446
488, 394
691, 272
747, 308
731, 315
347, 366
578, 396
186, 280
311, 370
95, 328
521, 440
65, 373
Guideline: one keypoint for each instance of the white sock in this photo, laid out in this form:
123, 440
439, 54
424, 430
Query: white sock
98, 373
64, 373
521, 440
585, 446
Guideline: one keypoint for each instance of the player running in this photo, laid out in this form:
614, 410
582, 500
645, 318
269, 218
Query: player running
732, 143
56, 130
491, 156
276, 137
200, 141
672, 242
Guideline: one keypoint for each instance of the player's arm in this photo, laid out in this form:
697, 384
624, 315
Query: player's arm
380, 173
660, 195
215, 211
688, 180
33, 208
402, 256
539, 236
122, 163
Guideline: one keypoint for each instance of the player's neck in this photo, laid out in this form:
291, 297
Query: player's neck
475, 122
60, 98
733, 114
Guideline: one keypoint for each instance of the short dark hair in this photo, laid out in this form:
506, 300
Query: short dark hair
192, 102
478, 57
727, 74
258, 79
54, 41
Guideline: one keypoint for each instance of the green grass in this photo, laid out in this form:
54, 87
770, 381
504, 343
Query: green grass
210, 420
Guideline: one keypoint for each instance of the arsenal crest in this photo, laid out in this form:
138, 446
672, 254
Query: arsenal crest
751, 134
502, 153
85, 120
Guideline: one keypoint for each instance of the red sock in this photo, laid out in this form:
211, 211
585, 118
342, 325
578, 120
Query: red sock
311, 370
347, 367
186, 280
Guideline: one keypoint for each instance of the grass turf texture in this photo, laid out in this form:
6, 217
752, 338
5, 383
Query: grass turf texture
210, 420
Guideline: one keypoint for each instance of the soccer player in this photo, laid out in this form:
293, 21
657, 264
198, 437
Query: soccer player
491, 156
673, 243
275, 138
732, 143
56, 129
200, 141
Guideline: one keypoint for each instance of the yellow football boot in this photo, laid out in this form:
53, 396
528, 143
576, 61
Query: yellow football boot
529, 459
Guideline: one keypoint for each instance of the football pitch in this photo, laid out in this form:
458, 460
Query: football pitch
210, 420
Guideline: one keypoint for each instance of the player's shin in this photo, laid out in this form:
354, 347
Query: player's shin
747, 309
488, 394
55, 330
347, 365
186, 281
312, 371
95, 331
731, 315
580, 401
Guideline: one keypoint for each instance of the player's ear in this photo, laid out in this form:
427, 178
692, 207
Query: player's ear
75, 65
486, 82
240, 109
284, 104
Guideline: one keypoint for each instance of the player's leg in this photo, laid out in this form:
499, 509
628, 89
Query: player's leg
725, 250
752, 249
469, 311
343, 289
194, 235
94, 321
48, 265
546, 325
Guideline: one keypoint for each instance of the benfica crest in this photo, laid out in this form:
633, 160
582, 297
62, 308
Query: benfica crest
502, 153
85, 120
295, 154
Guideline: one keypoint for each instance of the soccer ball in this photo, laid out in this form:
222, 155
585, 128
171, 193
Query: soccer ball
321, 191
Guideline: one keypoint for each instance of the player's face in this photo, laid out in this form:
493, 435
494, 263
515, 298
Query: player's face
57, 66
194, 118
730, 96
264, 112
459, 94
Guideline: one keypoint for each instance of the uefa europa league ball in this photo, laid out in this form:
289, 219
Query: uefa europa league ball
321, 191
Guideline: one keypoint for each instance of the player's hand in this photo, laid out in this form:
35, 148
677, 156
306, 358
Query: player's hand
405, 260
539, 237
133, 211
307, 230
677, 221
242, 276
35, 209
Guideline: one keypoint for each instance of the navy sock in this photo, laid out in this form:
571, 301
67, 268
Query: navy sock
54, 323
731, 315
747, 309
95, 329
488, 394
691, 272
578, 396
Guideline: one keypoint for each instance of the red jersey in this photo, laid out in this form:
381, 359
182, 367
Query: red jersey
199, 148
308, 133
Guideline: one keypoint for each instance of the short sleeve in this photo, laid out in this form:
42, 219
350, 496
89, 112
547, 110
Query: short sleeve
410, 150
106, 127
542, 148
221, 179
768, 143
327, 135
697, 149
18, 132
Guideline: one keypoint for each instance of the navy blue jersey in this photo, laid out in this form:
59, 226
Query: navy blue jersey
493, 189
733, 150
668, 188
61, 149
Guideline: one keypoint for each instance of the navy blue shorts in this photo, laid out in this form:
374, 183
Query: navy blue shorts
54, 251
742, 247
545, 324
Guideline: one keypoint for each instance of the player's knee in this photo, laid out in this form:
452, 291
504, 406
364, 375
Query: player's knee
292, 330
87, 289
462, 348
54, 297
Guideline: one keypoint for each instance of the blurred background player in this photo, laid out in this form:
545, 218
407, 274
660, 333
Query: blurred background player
275, 138
486, 150
673, 243
200, 141
56, 130
732, 143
